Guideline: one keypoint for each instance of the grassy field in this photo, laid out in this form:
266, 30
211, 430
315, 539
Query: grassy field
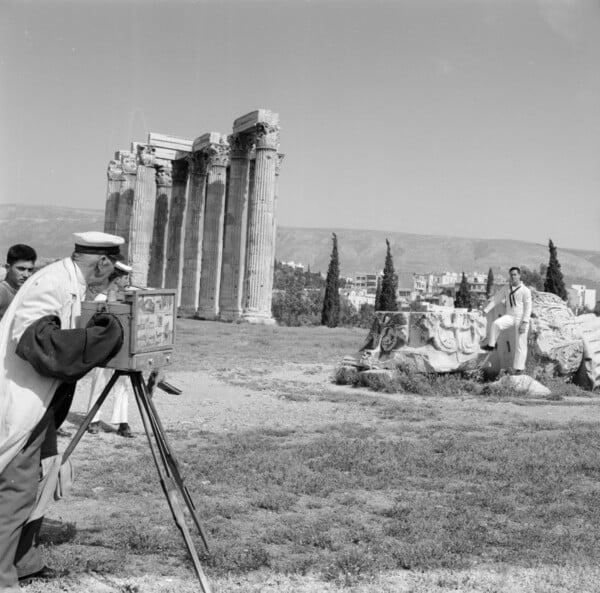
342, 488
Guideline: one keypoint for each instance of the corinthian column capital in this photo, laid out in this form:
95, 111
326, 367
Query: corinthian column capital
214, 147
197, 164
241, 145
267, 136
164, 175
263, 125
128, 162
145, 155
217, 155
115, 170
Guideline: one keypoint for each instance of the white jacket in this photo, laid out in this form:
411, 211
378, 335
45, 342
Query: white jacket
517, 300
57, 289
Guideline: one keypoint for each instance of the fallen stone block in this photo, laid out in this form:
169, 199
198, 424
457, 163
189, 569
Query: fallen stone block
523, 384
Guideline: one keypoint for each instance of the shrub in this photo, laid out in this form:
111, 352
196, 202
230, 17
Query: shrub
346, 375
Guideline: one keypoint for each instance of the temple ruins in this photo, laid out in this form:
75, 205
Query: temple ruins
199, 216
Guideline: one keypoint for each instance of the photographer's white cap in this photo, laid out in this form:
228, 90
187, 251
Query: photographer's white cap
99, 243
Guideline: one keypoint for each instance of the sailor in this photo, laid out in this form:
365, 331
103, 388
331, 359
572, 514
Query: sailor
100, 377
42, 355
517, 298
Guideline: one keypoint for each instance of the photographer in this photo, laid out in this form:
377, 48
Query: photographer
42, 355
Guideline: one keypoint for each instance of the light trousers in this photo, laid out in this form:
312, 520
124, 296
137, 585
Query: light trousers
120, 390
506, 322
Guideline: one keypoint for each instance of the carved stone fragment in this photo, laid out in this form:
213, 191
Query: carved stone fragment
447, 340
438, 341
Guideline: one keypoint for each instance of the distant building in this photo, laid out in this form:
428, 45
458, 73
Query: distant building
432, 283
406, 295
580, 297
420, 283
447, 279
293, 264
358, 298
366, 282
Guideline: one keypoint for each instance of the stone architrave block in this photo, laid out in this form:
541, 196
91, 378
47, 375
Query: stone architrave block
248, 122
167, 147
207, 139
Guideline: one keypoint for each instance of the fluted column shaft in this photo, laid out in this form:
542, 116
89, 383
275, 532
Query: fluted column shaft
125, 200
158, 247
113, 191
142, 219
194, 228
278, 161
176, 227
235, 227
212, 240
260, 249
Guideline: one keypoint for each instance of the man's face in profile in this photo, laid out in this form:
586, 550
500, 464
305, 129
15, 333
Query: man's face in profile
104, 267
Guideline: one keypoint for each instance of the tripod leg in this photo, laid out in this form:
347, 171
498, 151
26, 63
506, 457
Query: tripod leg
86, 422
166, 481
171, 462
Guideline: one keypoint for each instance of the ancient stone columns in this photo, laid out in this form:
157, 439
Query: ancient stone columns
194, 229
129, 167
260, 242
176, 227
158, 247
236, 223
115, 178
200, 217
142, 218
216, 149
130, 203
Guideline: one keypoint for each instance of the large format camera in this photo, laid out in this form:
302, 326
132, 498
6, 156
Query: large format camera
148, 320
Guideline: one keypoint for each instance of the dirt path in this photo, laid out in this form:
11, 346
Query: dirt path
291, 396
217, 405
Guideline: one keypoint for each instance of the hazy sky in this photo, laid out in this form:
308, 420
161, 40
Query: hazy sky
468, 118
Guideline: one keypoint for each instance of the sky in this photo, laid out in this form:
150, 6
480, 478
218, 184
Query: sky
472, 118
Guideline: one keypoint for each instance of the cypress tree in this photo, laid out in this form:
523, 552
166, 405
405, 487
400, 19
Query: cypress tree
330, 314
389, 282
378, 295
463, 296
489, 284
554, 279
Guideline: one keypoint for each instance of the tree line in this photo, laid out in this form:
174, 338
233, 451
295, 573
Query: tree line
306, 298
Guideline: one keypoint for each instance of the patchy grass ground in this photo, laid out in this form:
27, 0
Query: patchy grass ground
306, 486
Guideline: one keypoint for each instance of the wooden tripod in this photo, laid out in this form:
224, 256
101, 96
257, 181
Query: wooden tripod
164, 459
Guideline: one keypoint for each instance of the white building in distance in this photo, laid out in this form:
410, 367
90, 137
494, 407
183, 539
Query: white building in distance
579, 296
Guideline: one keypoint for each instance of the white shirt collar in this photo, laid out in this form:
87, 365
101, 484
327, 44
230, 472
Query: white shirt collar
81, 283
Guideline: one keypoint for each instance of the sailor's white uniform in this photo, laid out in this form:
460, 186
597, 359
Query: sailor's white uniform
518, 309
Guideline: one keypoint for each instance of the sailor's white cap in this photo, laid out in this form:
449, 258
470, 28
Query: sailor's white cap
99, 243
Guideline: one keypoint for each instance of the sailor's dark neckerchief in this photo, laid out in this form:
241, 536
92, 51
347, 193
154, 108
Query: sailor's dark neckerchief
511, 298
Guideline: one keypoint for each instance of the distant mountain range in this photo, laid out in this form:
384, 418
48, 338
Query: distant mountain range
49, 230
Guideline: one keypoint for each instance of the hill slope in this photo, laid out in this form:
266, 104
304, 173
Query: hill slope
49, 230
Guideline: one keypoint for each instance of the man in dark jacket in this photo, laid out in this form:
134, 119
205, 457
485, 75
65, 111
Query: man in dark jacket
42, 354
